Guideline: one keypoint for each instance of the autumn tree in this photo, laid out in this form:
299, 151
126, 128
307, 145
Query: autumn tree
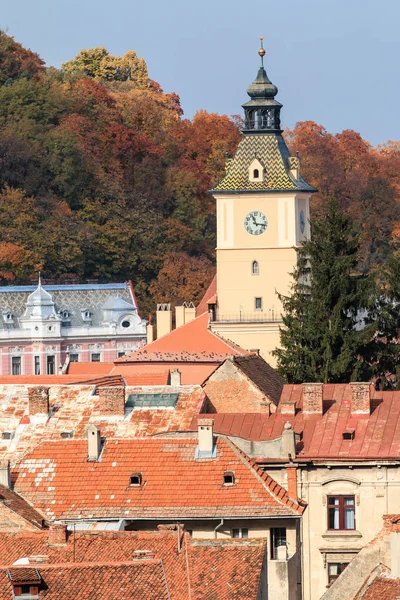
98, 63
321, 338
16, 61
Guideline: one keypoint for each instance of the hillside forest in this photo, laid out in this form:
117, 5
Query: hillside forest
103, 178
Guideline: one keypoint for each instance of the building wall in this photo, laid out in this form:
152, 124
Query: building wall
251, 336
11, 522
377, 492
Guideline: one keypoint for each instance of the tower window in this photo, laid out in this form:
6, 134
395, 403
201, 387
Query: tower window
258, 303
256, 174
255, 269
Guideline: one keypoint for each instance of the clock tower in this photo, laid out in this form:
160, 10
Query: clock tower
262, 217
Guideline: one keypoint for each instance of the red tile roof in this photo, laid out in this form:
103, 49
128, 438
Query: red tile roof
141, 580
57, 478
89, 368
230, 577
212, 568
13, 502
192, 342
381, 588
376, 435
209, 297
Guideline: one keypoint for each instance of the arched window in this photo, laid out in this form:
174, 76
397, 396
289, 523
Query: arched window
255, 268
256, 174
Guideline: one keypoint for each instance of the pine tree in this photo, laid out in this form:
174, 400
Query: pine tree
322, 340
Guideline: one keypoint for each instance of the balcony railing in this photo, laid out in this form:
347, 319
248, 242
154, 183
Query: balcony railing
259, 316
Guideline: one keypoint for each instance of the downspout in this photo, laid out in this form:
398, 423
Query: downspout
217, 527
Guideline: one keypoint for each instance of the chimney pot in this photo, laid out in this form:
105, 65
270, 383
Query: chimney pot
175, 377
312, 398
38, 398
205, 428
5, 478
360, 398
94, 442
150, 333
57, 534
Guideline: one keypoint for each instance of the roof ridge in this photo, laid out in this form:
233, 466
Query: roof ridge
263, 475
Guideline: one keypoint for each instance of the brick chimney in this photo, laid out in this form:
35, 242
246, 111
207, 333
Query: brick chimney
5, 479
38, 398
312, 398
292, 482
112, 400
57, 534
287, 407
360, 398
205, 428
94, 442
175, 377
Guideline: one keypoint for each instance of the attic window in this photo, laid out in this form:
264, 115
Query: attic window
229, 478
349, 434
67, 434
8, 318
256, 174
7, 435
135, 479
65, 314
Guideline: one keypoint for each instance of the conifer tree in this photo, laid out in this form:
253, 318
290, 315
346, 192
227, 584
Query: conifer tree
321, 340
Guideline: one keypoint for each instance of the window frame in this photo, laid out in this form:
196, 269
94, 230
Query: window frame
255, 303
242, 533
16, 364
332, 578
255, 268
275, 536
341, 507
95, 354
74, 355
36, 364
50, 361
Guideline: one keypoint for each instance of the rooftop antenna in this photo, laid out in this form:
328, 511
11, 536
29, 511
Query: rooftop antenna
261, 51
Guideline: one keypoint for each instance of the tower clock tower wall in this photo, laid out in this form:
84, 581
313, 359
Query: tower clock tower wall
262, 218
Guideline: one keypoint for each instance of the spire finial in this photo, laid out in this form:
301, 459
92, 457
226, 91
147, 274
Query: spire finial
40, 279
261, 51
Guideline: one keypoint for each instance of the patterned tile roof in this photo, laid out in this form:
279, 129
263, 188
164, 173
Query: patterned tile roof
72, 408
57, 478
376, 435
192, 342
143, 580
72, 297
211, 568
273, 154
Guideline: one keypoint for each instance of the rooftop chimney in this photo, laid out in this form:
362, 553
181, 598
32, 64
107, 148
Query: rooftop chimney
360, 398
190, 312
288, 443
163, 319
179, 316
205, 447
150, 333
112, 400
38, 398
5, 479
94, 442
292, 482
57, 534
175, 377
287, 407
312, 398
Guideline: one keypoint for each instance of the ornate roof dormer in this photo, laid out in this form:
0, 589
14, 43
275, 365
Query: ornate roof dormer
262, 111
40, 305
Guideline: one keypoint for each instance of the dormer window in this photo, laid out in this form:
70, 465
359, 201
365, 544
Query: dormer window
86, 315
256, 171
256, 174
229, 478
135, 480
8, 317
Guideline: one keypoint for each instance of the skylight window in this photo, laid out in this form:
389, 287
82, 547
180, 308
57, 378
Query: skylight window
229, 478
135, 479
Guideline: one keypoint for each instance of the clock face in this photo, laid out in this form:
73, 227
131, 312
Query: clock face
255, 223
302, 222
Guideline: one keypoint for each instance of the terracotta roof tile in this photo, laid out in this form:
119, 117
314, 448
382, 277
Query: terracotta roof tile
57, 478
382, 588
262, 375
192, 342
19, 506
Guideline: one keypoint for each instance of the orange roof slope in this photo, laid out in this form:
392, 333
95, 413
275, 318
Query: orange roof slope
89, 368
192, 342
210, 294
139, 580
13, 502
57, 478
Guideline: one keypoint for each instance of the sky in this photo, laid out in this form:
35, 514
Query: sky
335, 62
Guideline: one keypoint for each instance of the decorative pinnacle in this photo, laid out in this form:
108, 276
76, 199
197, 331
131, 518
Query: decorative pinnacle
261, 51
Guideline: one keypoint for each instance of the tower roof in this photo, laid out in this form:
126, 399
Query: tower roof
40, 304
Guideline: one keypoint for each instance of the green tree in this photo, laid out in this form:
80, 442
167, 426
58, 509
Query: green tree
321, 340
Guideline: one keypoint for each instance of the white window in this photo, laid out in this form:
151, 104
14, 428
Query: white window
241, 532
51, 365
74, 358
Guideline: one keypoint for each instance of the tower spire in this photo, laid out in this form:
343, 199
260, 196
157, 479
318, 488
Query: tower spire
261, 51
